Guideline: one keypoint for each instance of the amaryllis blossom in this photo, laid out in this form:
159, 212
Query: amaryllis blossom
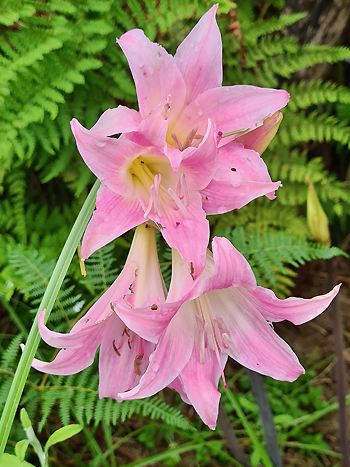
123, 354
187, 151
222, 313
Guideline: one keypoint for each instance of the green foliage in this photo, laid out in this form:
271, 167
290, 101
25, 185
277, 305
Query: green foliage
59, 60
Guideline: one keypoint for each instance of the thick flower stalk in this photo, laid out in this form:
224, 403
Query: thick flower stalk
190, 150
222, 313
123, 354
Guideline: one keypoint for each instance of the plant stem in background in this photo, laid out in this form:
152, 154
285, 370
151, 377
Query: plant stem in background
340, 372
230, 438
257, 383
47, 303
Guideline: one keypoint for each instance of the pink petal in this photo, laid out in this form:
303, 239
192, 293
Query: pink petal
158, 80
187, 230
69, 340
230, 266
78, 349
67, 362
199, 56
122, 359
177, 386
118, 120
170, 356
296, 310
199, 164
241, 177
181, 279
114, 215
200, 382
152, 131
260, 138
148, 322
235, 108
105, 157
249, 339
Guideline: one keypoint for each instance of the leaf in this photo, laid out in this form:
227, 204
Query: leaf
9, 460
21, 449
62, 434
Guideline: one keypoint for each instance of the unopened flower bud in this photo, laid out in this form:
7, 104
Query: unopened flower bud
316, 217
260, 138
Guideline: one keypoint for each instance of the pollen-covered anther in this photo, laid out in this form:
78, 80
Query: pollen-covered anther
166, 110
137, 364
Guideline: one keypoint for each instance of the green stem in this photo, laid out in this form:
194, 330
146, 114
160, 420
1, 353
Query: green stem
46, 304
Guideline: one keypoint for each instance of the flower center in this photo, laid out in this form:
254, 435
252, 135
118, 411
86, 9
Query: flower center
183, 142
141, 173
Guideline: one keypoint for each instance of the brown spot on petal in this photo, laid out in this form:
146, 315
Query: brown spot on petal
192, 270
233, 169
116, 350
154, 307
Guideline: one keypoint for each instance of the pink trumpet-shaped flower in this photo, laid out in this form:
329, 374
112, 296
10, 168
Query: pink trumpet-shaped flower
123, 354
222, 313
187, 169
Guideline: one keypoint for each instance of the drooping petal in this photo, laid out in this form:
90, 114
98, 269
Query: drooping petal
177, 386
68, 340
114, 215
199, 56
122, 358
105, 157
241, 177
186, 229
118, 120
260, 138
294, 309
234, 108
170, 356
157, 79
249, 339
78, 349
200, 381
67, 362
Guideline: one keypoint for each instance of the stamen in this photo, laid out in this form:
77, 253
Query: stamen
183, 189
137, 364
190, 137
177, 201
177, 142
165, 112
234, 132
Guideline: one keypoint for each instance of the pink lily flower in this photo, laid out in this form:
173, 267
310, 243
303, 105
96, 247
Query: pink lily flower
222, 313
123, 354
183, 113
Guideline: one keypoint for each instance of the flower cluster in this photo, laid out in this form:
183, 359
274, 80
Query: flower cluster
193, 149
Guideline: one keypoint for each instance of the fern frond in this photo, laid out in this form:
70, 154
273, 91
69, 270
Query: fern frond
79, 401
312, 93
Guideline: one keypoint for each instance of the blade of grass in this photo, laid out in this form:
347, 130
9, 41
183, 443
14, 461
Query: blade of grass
47, 303
257, 446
